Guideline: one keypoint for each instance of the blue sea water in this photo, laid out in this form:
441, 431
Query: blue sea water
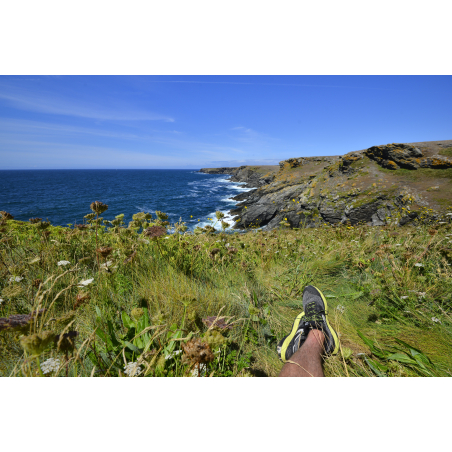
64, 196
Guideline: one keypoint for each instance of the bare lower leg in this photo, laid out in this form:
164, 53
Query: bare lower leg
308, 358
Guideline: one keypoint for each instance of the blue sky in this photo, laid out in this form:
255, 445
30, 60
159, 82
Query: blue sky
50, 122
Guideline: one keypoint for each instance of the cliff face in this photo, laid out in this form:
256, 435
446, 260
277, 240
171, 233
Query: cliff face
394, 182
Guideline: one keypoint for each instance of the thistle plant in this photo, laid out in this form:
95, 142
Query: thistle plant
6, 215
99, 208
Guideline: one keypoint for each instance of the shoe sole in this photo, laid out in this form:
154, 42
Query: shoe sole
333, 333
288, 338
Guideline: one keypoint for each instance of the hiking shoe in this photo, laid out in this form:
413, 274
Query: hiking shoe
316, 317
289, 344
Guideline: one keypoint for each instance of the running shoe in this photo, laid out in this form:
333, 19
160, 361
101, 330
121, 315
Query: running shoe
316, 317
289, 344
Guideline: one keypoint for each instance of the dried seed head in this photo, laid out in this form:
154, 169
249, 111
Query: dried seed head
104, 251
36, 283
217, 322
6, 215
219, 215
130, 258
42, 225
98, 207
66, 342
197, 352
35, 220
232, 250
214, 251
154, 232
81, 226
82, 298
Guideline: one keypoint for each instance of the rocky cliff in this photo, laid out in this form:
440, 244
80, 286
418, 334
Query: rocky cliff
394, 182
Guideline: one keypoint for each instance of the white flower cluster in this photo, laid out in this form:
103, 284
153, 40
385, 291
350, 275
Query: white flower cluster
106, 264
172, 355
194, 372
436, 320
132, 369
85, 283
51, 365
16, 278
418, 264
340, 308
63, 263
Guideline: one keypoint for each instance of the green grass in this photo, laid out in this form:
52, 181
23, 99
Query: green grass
447, 152
150, 309
420, 173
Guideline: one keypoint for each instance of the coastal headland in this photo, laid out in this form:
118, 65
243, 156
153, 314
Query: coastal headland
396, 182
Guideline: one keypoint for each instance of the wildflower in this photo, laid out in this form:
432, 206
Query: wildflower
106, 264
340, 308
197, 352
1, 300
82, 297
104, 251
172, 355
195, 371
6, 215
49, 366
404, 297
421, 294
86, 282
16, 278
418, 264
191, 216
398, 244
434, 319
98, 207
63, 263
132, 369
154, 232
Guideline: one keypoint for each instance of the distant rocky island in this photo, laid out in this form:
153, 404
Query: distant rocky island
367, 186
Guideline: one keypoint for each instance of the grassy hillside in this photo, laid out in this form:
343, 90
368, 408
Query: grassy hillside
215, 304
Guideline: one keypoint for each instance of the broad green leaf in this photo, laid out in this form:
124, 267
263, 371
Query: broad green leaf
401, 358
413, 348
379, 369
133, 347
112, 334
104, 337
127, 321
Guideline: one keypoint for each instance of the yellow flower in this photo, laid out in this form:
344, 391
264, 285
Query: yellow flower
191, 216
285, 219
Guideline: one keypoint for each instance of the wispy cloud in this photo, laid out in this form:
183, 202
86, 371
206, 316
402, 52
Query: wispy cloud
300, 85
32, 100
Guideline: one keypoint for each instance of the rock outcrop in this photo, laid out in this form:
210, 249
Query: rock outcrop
351, 189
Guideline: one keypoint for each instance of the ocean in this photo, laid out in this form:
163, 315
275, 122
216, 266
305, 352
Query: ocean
64, 196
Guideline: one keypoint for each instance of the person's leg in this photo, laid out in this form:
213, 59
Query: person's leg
308, 358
